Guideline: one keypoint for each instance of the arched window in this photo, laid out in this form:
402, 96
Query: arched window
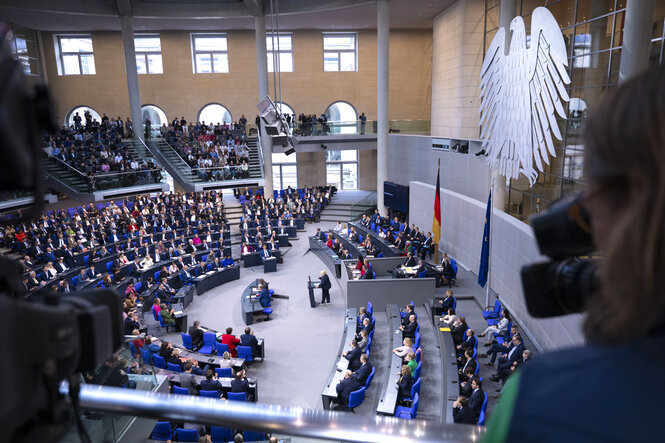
156, 115
284, 108
214, 113
69, 118
342, 118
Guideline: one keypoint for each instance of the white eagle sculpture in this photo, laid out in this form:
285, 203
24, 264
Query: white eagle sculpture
520, 93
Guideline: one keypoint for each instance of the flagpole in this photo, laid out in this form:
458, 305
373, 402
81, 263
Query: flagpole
489, 248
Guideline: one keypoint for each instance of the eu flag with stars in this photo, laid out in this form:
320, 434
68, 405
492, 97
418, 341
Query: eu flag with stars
485, 251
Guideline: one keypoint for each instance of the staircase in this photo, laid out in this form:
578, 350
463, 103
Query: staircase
182, 173
348, 205
63, 179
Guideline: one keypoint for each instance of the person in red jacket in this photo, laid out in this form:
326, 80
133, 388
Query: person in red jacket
231, 341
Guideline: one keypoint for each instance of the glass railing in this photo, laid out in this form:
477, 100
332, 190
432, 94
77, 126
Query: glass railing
360, 207
419, 127
297, 423
135, 377
104, 182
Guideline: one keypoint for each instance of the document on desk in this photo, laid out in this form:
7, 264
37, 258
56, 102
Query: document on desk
444, 329
178, 313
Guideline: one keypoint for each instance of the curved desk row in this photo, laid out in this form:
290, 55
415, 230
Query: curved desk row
354, 248
211, 279
326, 255
382, 244
174, 379
341, 364
449, 374
250, 302
214, 361
388, 399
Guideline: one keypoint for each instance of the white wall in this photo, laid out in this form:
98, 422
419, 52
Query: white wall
512, 246
411, 157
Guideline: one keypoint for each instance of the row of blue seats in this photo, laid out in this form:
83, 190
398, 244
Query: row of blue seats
163, 431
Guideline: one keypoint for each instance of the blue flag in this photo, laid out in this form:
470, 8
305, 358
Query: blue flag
485, 251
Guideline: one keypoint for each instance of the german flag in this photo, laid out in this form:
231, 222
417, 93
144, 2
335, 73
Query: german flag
436, 220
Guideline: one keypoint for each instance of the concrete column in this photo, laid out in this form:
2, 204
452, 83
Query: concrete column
382, 82
636, 38
507, 12
132, 75
262, 69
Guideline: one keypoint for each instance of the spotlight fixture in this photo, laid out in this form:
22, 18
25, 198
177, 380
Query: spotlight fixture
276, 126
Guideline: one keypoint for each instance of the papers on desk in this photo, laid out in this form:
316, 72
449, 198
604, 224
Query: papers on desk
444, 329
178, 313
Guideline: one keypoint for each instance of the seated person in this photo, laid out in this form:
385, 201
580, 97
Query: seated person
344, 389
165, 350
228, 261
165, 292
449, 318
265, 253
462, 413
131, 323
226, 361
404, 383
211, 383
466, 362
231, 341
469, 341
410, 329
410, 260
186, 277
248, 339
187, 380
407, 347
175, 358
147, 262
167, 315
364, 339
367, 326
444, 304
458, 330
362, 315
406, 314
197, 334
410, 361
353, 356
241, 384
364, 370
500, 328
264, 296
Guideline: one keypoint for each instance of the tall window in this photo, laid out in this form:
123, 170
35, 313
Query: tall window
284, 48
210, 53
215, 114
74, 54
24, 46
148, 49
340, 52
284, 171
342, 169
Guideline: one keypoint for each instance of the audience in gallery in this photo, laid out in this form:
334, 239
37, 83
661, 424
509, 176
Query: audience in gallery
216, 152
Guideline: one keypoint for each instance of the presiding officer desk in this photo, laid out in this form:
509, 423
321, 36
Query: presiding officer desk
174, 379
382, 244
327, 255
388, 399
329, 392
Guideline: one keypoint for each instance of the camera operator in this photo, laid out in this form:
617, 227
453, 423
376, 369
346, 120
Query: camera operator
599, 392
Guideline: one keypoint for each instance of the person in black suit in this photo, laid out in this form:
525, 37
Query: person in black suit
514, 355
248, 339
325, 287
410, 261
353, 356
406, 314
197, 334
462, 413
444, 304
364, 370
410, 329
174, 359
405, 383
367, 327
465, 386
477, 398
469, 341
131, 323
241, 384
468, 362
458, 330
344, 389
210, 384
361, 319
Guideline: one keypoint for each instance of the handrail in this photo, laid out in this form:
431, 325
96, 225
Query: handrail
174, 150
368, 200
259, 146
328, 425
67, 165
